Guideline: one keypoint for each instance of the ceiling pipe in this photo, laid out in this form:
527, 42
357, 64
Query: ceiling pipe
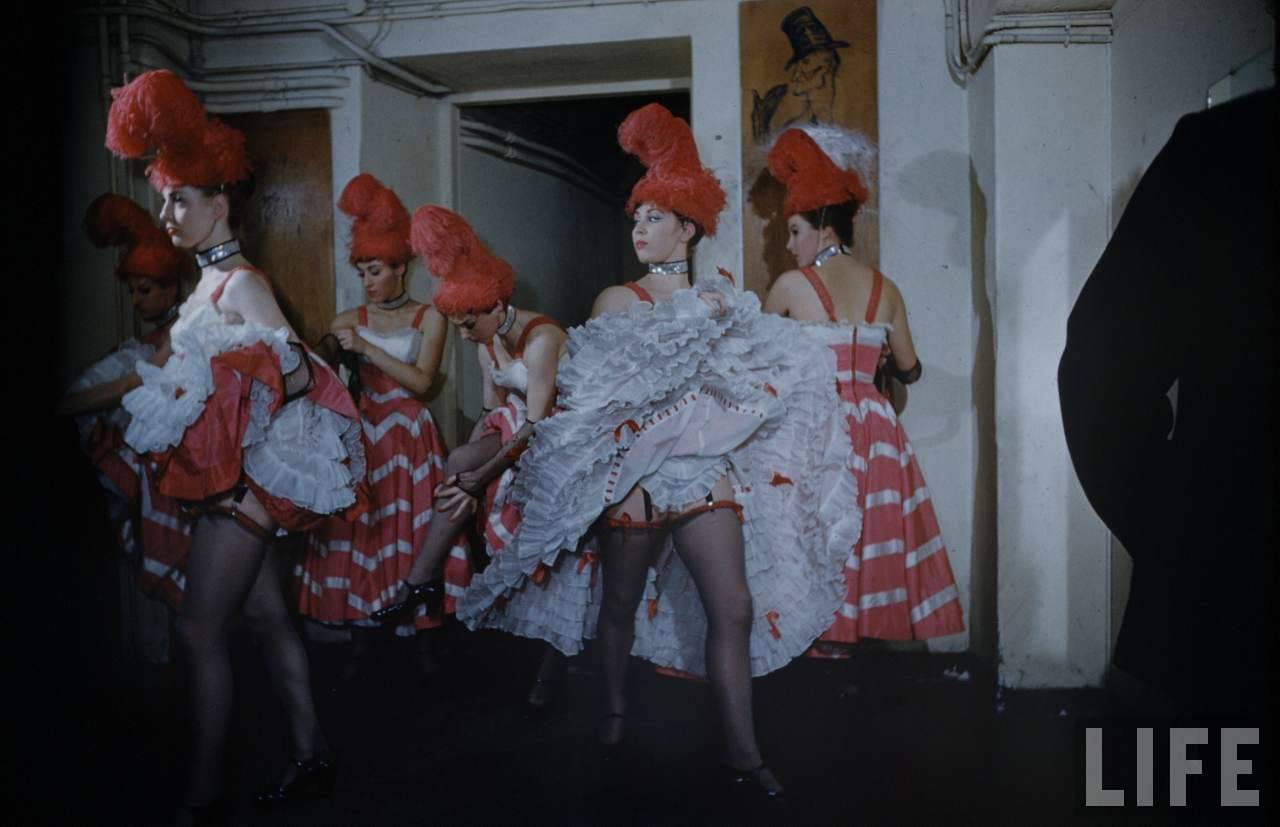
1065, 28
340, 14
508, 137
420, 84
545, 165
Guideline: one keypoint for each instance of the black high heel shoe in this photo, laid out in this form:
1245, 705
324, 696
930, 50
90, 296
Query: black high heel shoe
612, 746
751, 781
430, 593
213, 814
315, 779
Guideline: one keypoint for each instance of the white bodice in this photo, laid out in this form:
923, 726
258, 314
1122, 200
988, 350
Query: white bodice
401, 344
515, 376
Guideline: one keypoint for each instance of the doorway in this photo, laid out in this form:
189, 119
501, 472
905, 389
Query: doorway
287, 221
544, 184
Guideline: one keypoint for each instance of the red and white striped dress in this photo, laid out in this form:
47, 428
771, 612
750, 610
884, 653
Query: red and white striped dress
352, 569
899, 583
498, 516
150, 527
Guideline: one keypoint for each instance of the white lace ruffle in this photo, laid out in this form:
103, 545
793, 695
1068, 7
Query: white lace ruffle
302, 456
172, 397
305, 453
670, 397
115, 365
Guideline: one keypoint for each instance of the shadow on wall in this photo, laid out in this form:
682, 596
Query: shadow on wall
919, 183
766, 194
984, 623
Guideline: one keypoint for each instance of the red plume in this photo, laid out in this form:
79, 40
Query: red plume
156, 114
676, 179
380, 223
812, 179
471, 278
655, 136
113, 220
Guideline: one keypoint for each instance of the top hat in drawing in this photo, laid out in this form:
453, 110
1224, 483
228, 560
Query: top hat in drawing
807, 34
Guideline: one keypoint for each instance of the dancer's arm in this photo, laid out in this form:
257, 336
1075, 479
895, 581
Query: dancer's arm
904, 363
106, 396
417, 377
541, 355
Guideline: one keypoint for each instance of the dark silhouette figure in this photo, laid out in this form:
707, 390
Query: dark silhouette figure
1183, 293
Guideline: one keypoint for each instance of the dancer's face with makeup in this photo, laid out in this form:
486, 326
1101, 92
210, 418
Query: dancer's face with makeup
190, 215
382, 281
480, 326
150, 298
659, 235
804, 240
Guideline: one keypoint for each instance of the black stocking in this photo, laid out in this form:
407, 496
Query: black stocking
710, 545
444, 528
625, 554
223, 566
285, 656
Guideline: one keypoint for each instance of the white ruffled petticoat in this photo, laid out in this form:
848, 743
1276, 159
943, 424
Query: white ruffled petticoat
305, 453
671, 398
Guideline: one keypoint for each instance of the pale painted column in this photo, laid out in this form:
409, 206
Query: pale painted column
1042, 160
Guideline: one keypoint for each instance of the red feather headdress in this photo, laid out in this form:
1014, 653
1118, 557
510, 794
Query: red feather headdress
812, 179
676, 179
113, 220
471, 277
379, 222
155, 115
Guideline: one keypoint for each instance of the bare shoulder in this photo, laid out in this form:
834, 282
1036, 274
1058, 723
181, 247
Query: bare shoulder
345, 319
247, 280
890, 296
246, 286
543, 344
432, 318
788, 282
548, 335
613, 299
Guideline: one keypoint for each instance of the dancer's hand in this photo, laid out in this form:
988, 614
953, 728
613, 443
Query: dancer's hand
455, 502
468, 481
715, 301
350, 340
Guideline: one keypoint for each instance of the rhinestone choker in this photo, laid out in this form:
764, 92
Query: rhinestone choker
167, 316
399, 301
218, 252
508, 322
828, 252
669, 268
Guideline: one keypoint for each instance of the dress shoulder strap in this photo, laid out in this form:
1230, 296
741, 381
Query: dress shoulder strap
873, 304
821, 290
422, 311
362, 315
217, 291
536, 321
640, 291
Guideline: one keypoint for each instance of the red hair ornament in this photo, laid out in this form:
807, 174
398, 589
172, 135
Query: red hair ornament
471, 278
812, 179
676, 179
379, 222
155, 115
113, 220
